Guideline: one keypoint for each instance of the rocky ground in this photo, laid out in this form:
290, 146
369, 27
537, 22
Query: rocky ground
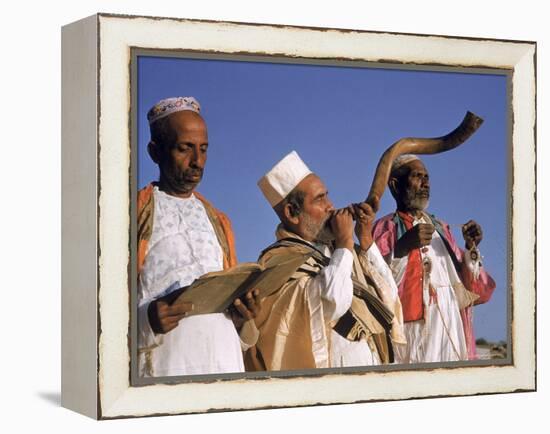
491, 350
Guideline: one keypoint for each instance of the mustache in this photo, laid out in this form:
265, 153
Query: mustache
423, 192
191, 173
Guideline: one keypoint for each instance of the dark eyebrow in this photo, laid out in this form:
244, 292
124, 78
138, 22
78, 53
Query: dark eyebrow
191, 144
320, 195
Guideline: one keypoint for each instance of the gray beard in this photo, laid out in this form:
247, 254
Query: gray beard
414, 202
419, 203
321, 233
325, 235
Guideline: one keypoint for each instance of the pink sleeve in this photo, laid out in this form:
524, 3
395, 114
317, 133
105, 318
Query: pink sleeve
484, 285
383, 234
468, 323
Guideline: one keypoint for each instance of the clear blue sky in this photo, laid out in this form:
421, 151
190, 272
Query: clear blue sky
340, 120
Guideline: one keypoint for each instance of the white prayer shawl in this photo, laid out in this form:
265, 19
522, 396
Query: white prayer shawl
443, 339
183, 246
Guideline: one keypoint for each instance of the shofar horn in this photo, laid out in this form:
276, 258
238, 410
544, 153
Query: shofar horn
414, 145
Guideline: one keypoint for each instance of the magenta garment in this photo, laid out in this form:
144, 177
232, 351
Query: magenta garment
385, 234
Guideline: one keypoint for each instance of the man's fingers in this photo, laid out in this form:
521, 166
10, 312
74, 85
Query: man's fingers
423, 228
172, 313
345, 213
251, 302
170, 323
425, 235
472, 228
178, 309
241, 308
470, 225
257, 301
362, 212
366, 208
426, 227
172, 296
425, 241
473, 233
169, 326
173, 318
480, 234
342, 217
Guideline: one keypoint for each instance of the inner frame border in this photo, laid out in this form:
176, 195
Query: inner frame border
136, 52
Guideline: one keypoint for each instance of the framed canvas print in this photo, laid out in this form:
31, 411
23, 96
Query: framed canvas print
259, 216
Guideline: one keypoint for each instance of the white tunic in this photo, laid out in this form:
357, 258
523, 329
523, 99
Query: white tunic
443, 339
329, 296
335, 288
183, 247
358, 353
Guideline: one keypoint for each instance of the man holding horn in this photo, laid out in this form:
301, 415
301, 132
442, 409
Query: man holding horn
438, 282
341, 307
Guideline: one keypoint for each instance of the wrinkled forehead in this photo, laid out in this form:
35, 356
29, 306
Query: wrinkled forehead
416, 166
312, 186
186, 122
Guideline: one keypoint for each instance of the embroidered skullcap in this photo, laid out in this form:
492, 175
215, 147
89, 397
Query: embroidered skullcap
401, 161
283, 177
168, 106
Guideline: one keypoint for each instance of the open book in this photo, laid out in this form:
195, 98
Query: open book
215, 292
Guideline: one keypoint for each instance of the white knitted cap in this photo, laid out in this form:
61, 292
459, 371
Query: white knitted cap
168, 106
401, 161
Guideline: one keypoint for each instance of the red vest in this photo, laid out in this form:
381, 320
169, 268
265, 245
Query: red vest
411, 297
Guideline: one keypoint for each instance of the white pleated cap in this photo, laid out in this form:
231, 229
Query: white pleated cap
283, 178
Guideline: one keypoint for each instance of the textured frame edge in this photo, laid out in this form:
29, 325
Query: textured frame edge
79, 324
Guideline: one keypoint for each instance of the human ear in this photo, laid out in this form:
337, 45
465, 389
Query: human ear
290, 214
393, 184
154, 151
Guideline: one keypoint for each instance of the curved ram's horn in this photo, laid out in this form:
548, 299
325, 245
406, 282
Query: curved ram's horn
414, 145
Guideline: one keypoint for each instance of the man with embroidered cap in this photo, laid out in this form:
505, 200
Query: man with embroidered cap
314, 320
438, 282
181, 236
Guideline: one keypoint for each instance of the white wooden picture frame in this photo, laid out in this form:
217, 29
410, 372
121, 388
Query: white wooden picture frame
97, 195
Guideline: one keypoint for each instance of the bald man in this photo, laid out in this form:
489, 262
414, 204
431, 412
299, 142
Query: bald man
181, 236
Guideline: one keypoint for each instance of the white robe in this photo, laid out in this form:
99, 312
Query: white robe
443, 339
343, 352
183, 246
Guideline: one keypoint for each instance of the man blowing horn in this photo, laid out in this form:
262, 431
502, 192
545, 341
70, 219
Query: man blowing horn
341, 307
